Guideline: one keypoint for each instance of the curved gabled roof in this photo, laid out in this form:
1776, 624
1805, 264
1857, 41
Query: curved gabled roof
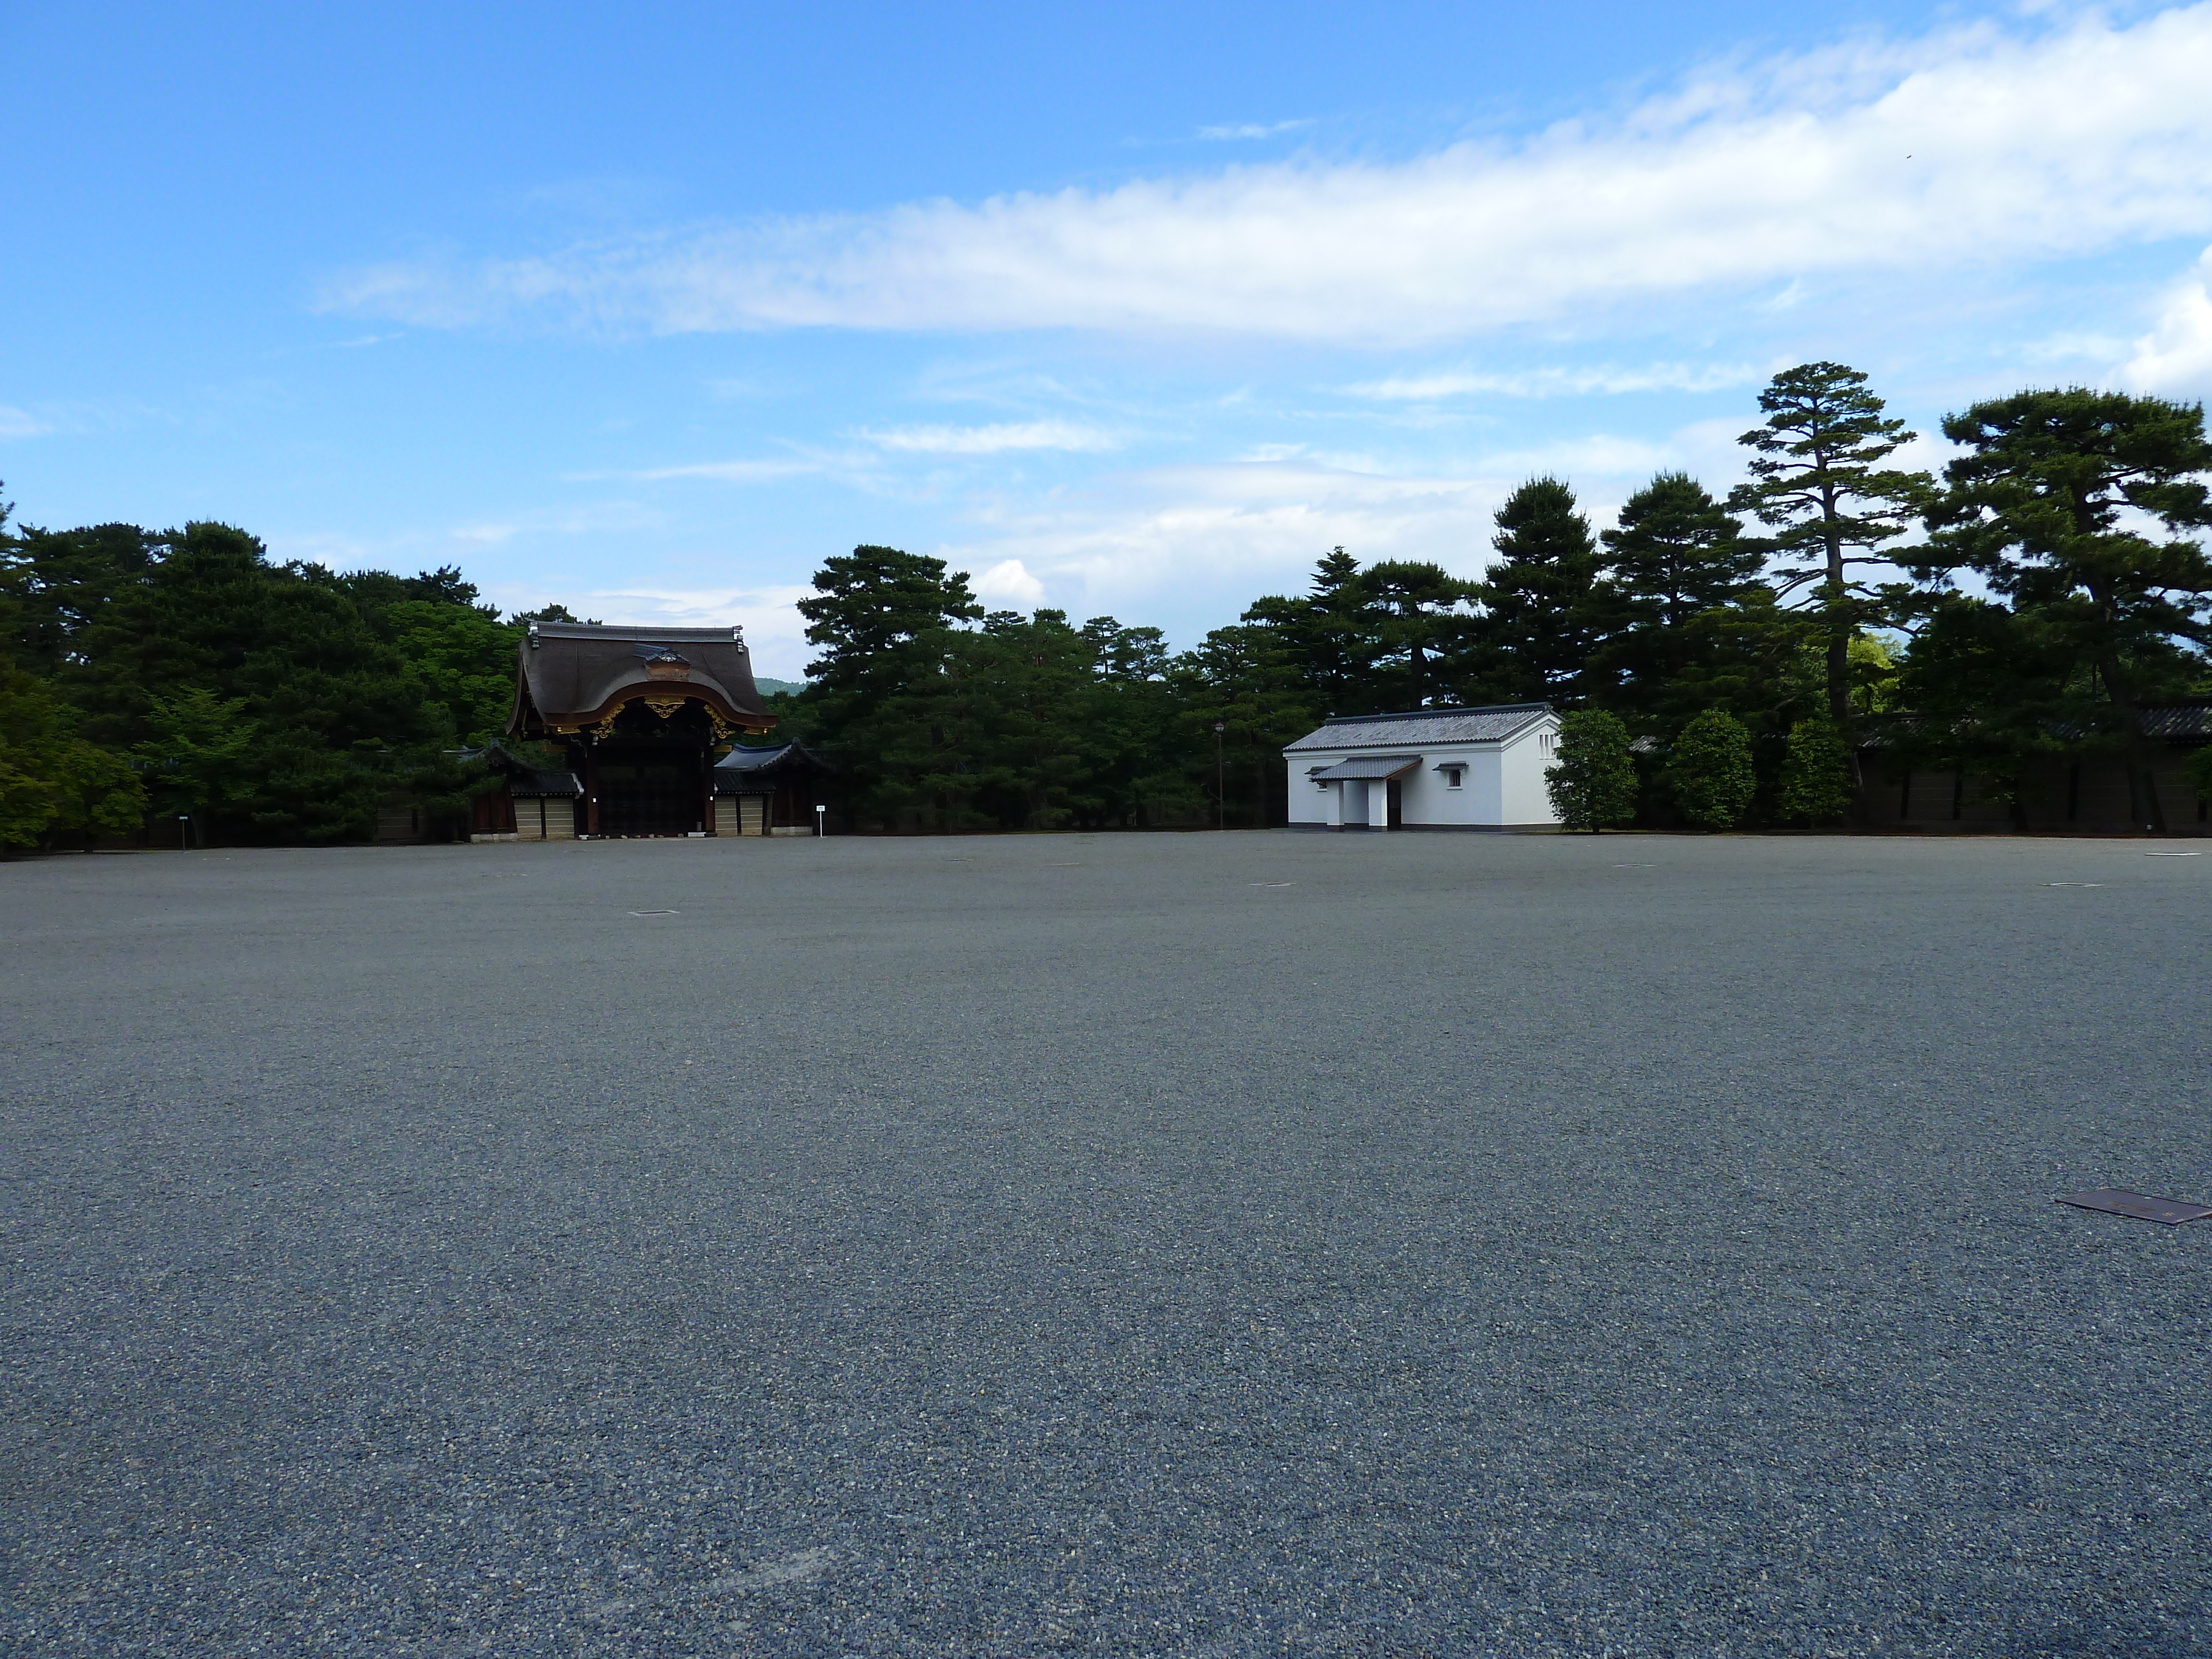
743, 769
576, 674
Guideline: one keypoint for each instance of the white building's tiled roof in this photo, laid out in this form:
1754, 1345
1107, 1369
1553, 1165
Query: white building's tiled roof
1423, 726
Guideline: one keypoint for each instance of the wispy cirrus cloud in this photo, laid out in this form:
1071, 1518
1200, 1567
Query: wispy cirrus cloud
997, 438
20, 423
597, 518
1969, 150
1557, 382
740, 472
1246, 130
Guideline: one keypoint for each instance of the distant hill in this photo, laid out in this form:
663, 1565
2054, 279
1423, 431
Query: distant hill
769, 687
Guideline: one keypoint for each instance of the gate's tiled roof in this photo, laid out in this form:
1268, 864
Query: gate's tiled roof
573, 670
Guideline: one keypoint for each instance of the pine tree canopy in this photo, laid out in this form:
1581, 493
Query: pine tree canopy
1538, 599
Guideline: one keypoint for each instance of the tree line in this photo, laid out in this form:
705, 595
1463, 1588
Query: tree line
181, 683
1721, 660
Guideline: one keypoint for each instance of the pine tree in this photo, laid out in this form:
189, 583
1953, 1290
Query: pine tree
2074, 508
1675, 558
1817, 482
869, 606
1330, 636
1538, 598
1420, 624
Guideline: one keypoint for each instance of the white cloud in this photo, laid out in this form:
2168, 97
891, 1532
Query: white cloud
20, 423
751, 471
599, 519
993, 439
1556, 382
2176, 355
857, 469
1196, 539
1963, 150
1008, 584
1252, 129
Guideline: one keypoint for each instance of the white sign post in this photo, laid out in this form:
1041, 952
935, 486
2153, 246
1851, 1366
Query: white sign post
820, 821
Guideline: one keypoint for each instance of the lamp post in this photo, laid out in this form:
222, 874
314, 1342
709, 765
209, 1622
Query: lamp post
1220, 780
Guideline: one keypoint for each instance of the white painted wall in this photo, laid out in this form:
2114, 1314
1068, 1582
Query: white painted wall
1522, 767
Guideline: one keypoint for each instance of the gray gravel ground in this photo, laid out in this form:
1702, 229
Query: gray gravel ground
1203, 1244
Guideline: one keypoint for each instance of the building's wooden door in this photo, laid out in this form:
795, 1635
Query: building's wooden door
1397, 805
656, 795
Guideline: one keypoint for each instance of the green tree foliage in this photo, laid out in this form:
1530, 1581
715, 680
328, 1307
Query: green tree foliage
326, 696
1873, 675
2073, 508
2198, 770
1710, 771
1246, 678
883, 697
51, 780
1540, 605
62, 583
267, 701
1423, 619
1816, 774
1985, 687
1678, 576
876, 612
1592, 783
1817, 482
200, 755
457, 647
1328, 638
1020, 723
29, 793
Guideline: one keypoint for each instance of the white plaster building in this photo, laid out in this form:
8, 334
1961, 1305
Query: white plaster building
1435, 768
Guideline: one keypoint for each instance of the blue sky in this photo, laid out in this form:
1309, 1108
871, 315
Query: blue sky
1137, 310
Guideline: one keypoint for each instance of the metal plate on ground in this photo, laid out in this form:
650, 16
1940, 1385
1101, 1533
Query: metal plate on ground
2172, 1211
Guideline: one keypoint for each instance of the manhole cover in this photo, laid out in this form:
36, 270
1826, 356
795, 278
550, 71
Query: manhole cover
2172, 1211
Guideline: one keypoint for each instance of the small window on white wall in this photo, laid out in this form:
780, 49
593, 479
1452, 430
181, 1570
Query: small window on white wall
1544, 743
1454, 775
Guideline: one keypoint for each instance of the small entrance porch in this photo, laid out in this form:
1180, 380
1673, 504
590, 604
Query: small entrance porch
1368, 793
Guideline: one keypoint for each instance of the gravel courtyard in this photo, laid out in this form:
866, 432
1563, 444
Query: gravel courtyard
1166, 1244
